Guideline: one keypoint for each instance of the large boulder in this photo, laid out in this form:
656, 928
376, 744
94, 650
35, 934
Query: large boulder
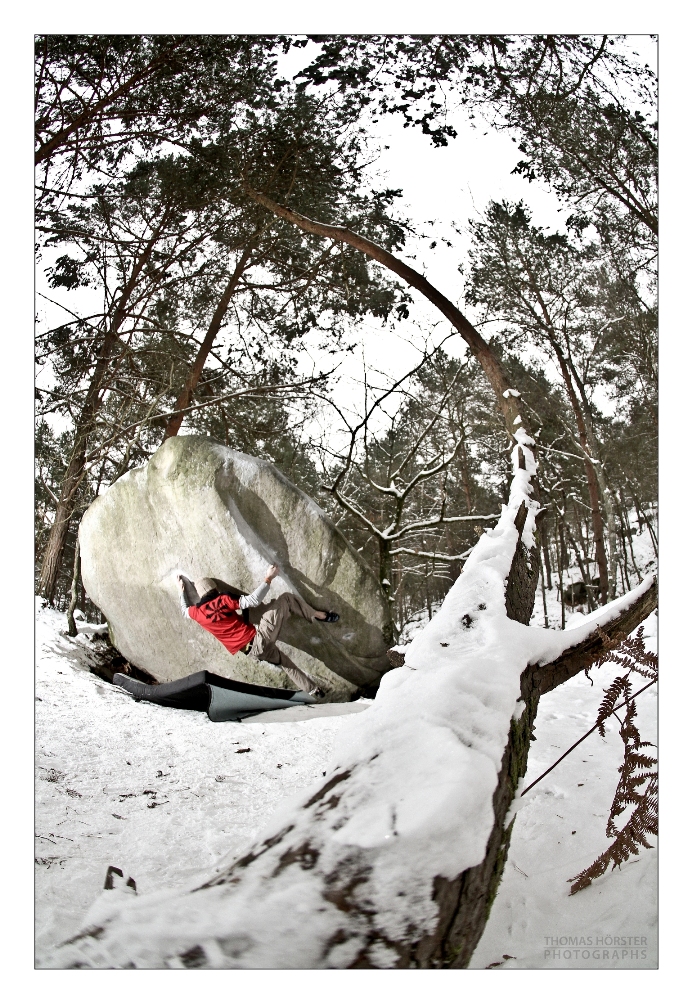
200, 509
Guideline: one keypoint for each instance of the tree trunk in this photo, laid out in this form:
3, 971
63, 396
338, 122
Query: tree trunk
185, 396
507, 398
524, 572
464, 463
55, 545
385, 567
545, 604
628, 525
465, 903
546, 554
90, 112
563, 563
592, 477
352, 914
583, 567
71, 625
612, 533
523, 575
606, 493
543, 537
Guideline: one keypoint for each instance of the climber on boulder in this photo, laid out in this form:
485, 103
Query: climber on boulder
247, 624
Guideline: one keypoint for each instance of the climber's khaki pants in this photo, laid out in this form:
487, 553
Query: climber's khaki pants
267, 619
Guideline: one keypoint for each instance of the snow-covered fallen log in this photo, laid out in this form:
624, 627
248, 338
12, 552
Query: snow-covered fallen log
393, 860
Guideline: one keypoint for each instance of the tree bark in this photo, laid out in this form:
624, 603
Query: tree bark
385, 569
71, 625
563, 563
185, 396
334, 876
606, 493
91, 112
465, 903
623, 505
591, 477
523, 578
302, 861
546, 553
607, 496
583, 568
546, 624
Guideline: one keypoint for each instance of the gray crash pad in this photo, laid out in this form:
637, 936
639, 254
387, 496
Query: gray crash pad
222, 699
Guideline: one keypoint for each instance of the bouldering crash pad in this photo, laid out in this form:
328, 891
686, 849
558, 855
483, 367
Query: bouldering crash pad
222, 699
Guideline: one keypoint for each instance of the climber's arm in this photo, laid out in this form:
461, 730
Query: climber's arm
256, 597
184, 601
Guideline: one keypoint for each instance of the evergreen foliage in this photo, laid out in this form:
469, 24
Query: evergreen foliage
184, 300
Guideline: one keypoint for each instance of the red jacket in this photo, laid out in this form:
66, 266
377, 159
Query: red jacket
220, 618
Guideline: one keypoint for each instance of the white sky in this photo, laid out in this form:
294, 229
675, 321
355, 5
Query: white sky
447, 185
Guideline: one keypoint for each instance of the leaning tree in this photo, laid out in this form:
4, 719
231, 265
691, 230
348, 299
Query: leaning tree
170, 221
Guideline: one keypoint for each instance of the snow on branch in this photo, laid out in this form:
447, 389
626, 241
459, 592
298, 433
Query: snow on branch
431, 554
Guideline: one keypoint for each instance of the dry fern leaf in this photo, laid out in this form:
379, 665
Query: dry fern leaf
636, 770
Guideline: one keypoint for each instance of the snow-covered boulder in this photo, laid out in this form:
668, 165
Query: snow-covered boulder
200, 509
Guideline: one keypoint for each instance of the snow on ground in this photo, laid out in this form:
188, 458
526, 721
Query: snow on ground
166, 794
158, 792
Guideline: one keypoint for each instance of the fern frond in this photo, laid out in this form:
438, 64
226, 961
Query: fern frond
636, 767
627, 842
619, 687
643, 762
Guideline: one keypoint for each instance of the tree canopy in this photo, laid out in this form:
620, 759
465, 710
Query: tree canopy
152, 151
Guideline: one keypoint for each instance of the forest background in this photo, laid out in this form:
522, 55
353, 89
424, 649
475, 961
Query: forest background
674, 163
173, 294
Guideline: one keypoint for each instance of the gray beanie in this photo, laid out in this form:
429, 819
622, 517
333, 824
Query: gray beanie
204, 585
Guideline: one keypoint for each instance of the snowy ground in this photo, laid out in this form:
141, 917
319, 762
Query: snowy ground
166, 794
160, 793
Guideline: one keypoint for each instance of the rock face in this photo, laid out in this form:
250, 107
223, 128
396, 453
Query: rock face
200, 509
